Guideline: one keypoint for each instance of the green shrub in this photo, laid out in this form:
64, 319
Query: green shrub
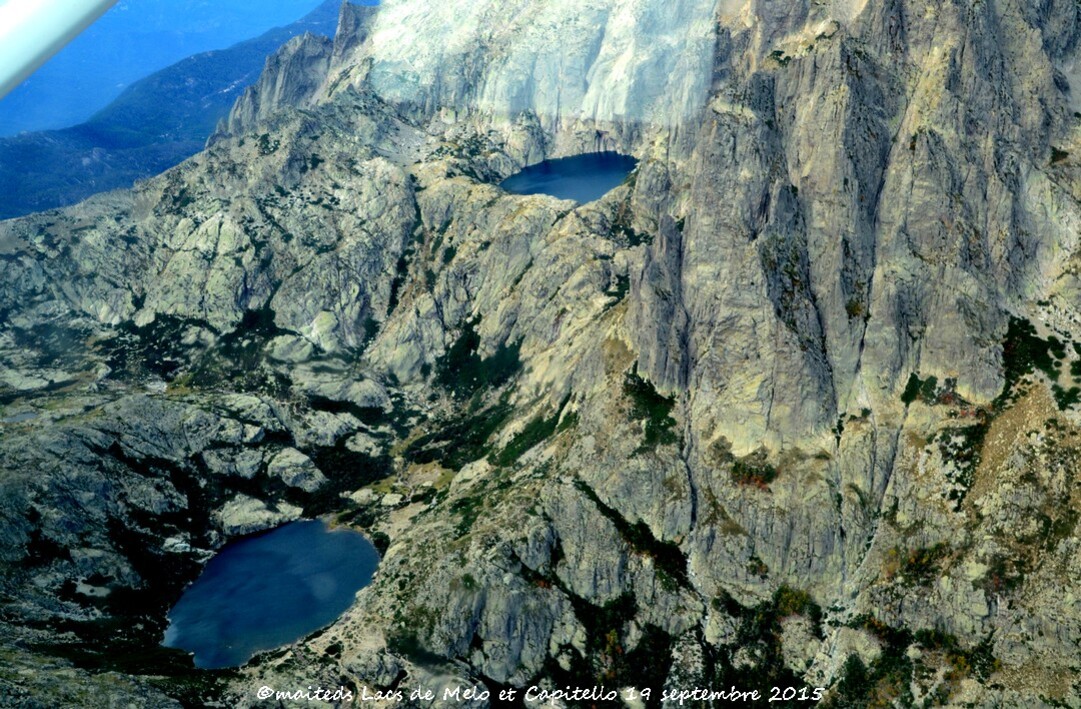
788, 601
921, 566
655, 410
1024, 351
754, 470
925, 390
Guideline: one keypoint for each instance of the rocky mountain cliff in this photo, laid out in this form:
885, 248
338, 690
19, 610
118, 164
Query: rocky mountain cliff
794, 406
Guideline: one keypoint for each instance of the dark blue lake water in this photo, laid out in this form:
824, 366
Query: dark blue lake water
263, 592
582, 178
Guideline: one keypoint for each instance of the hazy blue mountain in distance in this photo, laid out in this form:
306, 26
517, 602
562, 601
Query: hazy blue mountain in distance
132, 40
156, 123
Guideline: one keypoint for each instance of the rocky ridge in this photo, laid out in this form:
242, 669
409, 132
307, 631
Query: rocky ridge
796, 404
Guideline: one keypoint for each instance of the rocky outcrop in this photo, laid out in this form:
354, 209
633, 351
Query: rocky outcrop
289, 80
354, 23
296, 470
245, 515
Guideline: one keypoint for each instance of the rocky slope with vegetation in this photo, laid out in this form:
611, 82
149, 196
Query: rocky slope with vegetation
793, 406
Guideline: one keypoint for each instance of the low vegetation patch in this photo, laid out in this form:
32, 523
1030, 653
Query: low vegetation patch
462, 371
922, 566
455, 443
788, 601
888, 680
154, 350
963, 447
1023, 352
653, 409
758, 636
346, 471
533, 434
609, 659
753, 469
922, 389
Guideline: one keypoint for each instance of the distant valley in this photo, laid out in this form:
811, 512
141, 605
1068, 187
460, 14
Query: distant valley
132, 40
155, 124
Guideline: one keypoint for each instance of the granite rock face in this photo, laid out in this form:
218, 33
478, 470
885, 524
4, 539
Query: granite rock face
794, 404
289, 79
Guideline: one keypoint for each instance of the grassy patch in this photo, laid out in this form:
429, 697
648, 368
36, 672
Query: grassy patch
458, 442
534, 432
468, 510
